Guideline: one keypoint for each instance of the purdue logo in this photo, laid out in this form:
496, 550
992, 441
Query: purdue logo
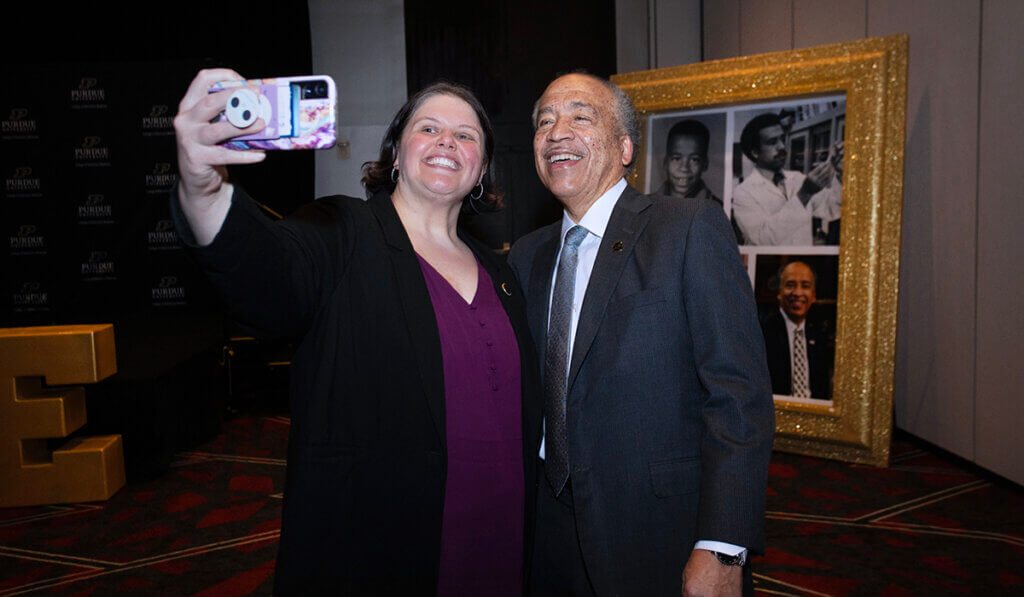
27, 242
161, 179
22, 183
30, 297
18, 124
91, 152
158, 122
162, 236
95, 209
168, 292
98, 267
88, 92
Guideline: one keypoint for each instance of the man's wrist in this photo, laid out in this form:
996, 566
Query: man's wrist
724, 552
731, 560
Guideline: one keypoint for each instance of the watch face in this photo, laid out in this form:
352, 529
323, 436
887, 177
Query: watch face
736, 560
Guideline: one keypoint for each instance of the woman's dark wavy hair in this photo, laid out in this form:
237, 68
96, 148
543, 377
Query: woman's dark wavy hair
377, 175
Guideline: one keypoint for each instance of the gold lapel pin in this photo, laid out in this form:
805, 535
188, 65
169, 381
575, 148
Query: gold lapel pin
617, 246
505, 288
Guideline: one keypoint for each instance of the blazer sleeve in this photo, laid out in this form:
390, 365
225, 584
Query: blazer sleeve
738, 411
272, 275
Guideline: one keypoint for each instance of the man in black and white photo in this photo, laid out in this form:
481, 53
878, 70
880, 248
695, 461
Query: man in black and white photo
774, 206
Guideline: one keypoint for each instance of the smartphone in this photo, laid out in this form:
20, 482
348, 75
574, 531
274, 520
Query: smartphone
299, 112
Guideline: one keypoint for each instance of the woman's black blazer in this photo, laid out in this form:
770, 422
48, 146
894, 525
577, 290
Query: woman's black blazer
365, 484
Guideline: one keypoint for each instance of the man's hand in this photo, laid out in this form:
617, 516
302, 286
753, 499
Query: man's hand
705, 575
817, 179
837, 159
821, 175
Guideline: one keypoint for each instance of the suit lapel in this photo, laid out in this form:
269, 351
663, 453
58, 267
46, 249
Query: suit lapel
625, 226
779, 351
418, 308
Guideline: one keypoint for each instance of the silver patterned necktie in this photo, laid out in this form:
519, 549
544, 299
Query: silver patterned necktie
801, 388
556, 362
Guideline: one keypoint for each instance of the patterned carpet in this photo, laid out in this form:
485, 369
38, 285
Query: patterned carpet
928, 525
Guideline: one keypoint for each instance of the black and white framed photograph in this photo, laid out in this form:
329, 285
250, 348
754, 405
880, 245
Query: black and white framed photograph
786, 172
810, 168
687, 152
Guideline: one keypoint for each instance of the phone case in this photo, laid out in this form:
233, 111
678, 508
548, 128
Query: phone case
302, 114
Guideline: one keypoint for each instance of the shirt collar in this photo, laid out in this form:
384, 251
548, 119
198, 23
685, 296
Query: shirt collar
790, 326
596, 218
767, 179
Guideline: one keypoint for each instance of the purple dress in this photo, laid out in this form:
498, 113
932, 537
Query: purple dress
482, 528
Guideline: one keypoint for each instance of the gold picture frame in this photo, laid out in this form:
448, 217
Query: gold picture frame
868, 79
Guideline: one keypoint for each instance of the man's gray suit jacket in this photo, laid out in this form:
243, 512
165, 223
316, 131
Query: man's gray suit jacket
669, 406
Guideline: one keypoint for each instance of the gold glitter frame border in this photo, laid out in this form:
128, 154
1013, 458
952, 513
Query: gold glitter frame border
873, 75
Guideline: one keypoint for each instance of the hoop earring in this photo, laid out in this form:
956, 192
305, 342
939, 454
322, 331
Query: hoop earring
394, 175
473, 198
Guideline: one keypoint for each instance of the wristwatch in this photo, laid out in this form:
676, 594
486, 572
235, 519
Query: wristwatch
728, 560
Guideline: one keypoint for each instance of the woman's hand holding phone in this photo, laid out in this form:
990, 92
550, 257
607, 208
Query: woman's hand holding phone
203, 187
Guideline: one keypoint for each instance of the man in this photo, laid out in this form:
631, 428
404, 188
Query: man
799, 357
686, 160
775, 206
658, 411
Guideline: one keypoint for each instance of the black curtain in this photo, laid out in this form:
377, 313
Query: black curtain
507, 51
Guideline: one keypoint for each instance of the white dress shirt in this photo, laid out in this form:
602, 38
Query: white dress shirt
596, 221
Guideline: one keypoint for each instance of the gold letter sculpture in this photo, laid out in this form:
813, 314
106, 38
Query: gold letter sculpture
84, 469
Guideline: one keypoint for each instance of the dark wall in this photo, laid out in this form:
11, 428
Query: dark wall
507, 52
87, 157
88, 152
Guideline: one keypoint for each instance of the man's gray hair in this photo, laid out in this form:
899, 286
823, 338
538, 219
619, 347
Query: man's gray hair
625, 112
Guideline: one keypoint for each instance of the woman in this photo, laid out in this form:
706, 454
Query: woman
410, 437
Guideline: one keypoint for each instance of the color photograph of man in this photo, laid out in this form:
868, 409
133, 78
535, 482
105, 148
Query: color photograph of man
775, 206
799, 355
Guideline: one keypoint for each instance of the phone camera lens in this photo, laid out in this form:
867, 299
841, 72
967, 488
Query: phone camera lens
314, 90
